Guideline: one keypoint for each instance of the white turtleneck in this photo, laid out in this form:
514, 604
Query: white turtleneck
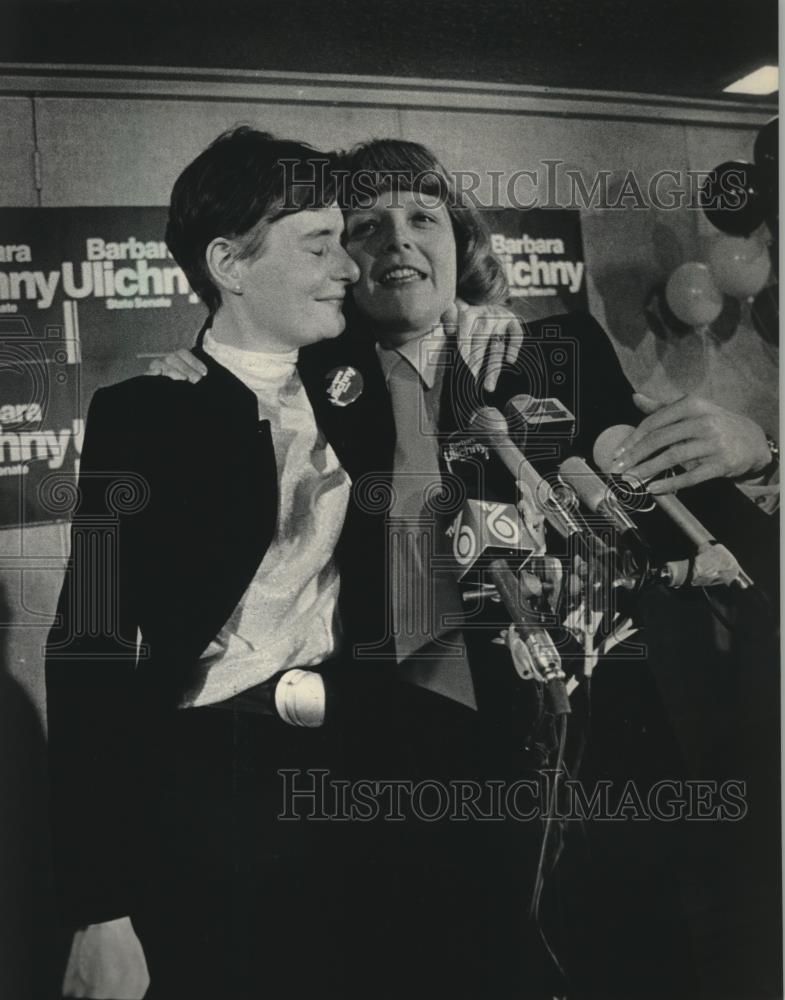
288, 616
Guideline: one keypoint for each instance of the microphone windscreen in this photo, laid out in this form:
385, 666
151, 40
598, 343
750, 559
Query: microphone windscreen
607, 443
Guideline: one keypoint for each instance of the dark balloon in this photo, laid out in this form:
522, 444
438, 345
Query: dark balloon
732, 199
765, 152
767, 163
766, 313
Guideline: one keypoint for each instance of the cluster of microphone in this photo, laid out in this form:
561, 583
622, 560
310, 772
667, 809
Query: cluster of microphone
604, 554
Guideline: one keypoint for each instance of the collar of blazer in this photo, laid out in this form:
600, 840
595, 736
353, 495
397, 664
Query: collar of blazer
229, 400
346, 429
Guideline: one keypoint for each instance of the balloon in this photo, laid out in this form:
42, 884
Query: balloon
766, 314
739, 266
692, 294
731, 198
765, 152
766, 163
773, 222
774, 253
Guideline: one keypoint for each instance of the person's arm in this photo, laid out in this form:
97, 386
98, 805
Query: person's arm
713, 442
488, 337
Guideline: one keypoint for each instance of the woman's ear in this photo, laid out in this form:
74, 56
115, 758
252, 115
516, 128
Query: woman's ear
223, 265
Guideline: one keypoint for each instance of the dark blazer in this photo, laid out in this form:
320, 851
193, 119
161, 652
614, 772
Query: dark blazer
176, 509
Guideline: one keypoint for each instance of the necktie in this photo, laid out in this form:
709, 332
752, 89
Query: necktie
426, 603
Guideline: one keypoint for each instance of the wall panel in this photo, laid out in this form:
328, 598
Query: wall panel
129, 152
17, 185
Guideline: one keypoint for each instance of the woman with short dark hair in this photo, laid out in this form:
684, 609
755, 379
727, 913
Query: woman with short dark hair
208, 524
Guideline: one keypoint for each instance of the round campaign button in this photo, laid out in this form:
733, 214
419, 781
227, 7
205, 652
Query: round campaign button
344, 385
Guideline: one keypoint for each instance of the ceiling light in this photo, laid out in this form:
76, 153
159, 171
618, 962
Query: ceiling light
763, 81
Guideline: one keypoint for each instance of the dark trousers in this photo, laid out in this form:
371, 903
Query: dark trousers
242, 904
449, 891
239, 904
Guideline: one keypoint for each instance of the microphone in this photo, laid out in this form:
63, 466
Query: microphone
547, 416
596, 495
545, 658
604, 448
490, 422
493, 427
607, 442
599, 498
717, 564
483, 530
484, 536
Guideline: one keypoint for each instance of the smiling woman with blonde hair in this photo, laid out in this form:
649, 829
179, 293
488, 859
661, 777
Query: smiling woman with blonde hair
387, 166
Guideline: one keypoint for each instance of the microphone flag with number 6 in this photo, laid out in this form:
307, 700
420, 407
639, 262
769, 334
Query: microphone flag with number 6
483, 531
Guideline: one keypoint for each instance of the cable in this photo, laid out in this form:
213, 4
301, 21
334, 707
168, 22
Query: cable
539, 880
585, 731
716, 612
540, 875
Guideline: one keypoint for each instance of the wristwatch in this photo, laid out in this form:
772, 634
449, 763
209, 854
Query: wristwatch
768, 471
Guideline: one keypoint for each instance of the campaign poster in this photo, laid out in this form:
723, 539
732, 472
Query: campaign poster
87, 297
541, 251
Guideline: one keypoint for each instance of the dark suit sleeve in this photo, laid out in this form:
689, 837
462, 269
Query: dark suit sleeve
571, 357
92, 698
602, 390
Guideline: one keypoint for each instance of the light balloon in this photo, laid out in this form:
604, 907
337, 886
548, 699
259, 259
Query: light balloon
739, 266
692, 294
766, 314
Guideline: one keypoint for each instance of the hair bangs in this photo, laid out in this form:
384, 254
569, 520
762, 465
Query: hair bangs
387, 167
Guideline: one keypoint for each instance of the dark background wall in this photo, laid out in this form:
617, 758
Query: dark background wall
692, 48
